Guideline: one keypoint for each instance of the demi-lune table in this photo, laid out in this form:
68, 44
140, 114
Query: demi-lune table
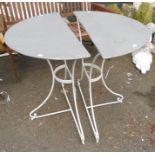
113, 35
48, 37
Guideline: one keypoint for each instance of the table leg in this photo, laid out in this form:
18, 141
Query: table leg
90, 108
78, 124
90, 114
119, 96
33, 115
75, 115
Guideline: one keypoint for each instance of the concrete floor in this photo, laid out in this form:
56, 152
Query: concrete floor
123, 127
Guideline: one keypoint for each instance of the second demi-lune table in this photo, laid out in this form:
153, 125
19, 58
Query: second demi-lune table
113, 35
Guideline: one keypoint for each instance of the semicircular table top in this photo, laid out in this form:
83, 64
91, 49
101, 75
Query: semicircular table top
46, 37
114, 35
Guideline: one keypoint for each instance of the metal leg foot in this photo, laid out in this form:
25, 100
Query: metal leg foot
97, 139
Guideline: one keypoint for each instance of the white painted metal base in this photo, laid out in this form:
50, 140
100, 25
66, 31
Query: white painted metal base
90, 108
33, 114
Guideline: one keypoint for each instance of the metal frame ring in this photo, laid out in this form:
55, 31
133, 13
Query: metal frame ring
57, 69
95, 67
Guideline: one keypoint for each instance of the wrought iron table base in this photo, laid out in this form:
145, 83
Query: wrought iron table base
33, 114
90, 109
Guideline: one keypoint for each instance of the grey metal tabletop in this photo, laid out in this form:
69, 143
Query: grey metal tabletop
114, 35
45, 37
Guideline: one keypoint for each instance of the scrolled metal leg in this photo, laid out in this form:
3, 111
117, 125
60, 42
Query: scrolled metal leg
33, 113
95, 128
82, 70
75, 114
65, 62
78, 124
91, 115
120, 97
